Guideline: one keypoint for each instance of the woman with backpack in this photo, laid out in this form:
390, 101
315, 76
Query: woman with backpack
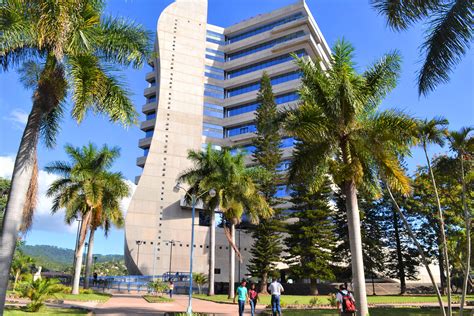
345, 301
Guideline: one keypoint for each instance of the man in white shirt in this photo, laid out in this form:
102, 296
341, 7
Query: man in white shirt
275, 289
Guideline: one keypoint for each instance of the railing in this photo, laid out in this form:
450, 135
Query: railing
139, 283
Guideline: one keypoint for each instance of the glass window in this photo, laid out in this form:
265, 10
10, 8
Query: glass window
151, 116
253, 106
247, 149
283, 166
263, 46
256, 85
242, 129
215, 37
214, 112
214, 75
151, 99
212, 130
287, 142
145, 151
215, 55
264, 64
214, 69
149, 133
264, 28
152, 84
214, 91
282, 191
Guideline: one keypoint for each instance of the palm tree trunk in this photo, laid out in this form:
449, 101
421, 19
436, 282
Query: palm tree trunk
355, 240
90, 251
17, 275
401, 264
22, 173
467, 219
420, 251
443, 233
232, 263
212, 253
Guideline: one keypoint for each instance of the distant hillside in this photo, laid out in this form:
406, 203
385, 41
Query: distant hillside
59, 259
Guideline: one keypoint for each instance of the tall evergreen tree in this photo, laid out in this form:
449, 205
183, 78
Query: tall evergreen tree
311, 241
402, 260
266, 250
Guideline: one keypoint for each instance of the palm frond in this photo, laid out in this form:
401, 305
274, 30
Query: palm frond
124, 42
403, 13
448, 39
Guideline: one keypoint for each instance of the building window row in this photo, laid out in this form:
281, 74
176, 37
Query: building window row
263, 46
213, 75
250, 149
256, 85
215, 37
146, 151
264, 28
151, 99
152, 84
283, 166
212, 130
264, 64
253, 106
213, 110
151, 116
241, 129
282, 191
215, 55
214, 91
149, 133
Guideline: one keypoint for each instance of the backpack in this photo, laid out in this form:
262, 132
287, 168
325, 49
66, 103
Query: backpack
348, 304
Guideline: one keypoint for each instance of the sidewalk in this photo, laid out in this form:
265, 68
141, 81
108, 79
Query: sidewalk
133, 304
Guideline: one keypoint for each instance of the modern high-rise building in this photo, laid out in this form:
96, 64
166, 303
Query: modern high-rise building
202, 89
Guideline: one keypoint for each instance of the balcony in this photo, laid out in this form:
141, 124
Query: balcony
147, 125
149, 107
141, 161
144, 142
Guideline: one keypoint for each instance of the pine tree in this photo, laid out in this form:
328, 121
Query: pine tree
311, 241
266, 250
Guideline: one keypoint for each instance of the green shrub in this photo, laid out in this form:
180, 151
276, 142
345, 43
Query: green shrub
38, 291
86, 291
332, 300
157, 287
314, 301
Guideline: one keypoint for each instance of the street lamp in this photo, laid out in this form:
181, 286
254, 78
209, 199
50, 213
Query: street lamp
139, 243
172, 242
194, 198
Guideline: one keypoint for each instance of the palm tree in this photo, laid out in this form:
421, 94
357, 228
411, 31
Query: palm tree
200, 279
448, 37
21, 264
72, 47
343, 135
434, 132
87, 189
463, 145
39, 291
110, 215
236, 192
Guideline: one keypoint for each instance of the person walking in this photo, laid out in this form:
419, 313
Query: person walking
345, 301
242, 295
170, 288
275, 289
253, 298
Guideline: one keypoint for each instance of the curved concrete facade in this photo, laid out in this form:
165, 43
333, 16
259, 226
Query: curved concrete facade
179, 73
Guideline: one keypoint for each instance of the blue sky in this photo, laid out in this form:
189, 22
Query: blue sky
354, 20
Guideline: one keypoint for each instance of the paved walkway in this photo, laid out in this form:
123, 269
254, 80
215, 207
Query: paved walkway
133, 304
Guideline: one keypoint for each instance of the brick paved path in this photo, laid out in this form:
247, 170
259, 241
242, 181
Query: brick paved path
132, 304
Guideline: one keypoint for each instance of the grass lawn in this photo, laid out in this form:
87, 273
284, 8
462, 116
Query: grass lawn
13, 311
96, 297
324, 299
157, 299
373, 312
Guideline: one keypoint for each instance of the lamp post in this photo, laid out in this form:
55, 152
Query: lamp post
139, 243
194, 199
172, 243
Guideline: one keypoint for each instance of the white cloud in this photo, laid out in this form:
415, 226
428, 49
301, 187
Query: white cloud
18, 117
43, 220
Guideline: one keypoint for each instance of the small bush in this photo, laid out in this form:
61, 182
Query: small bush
86, 291
333, 300
157, 287
38, 291
314, 301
